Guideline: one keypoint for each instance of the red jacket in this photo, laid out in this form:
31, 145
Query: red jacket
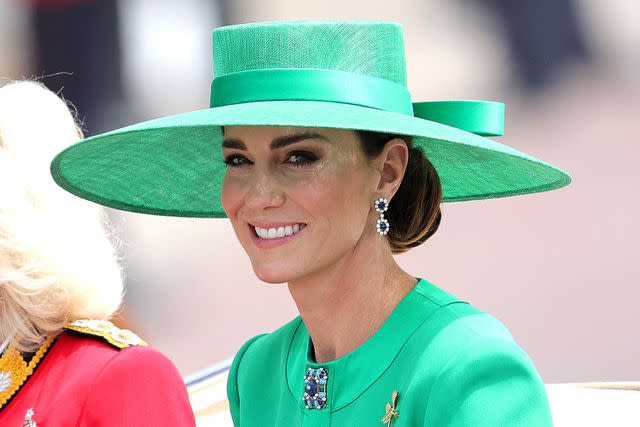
83, 381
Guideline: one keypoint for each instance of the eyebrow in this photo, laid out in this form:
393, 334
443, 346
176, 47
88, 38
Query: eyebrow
279, 142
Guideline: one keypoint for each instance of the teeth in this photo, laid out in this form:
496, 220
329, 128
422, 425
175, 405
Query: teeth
274, 233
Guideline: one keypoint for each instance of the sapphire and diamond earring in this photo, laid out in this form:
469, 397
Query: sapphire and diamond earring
315, 388
382, 225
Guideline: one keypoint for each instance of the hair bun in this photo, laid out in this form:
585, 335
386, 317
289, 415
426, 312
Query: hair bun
415, 210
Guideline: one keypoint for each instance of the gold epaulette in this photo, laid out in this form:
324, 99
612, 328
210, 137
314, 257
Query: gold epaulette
120, 338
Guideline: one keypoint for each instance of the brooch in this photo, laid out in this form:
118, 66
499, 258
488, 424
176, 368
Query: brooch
315, 388
391, 409
28, 419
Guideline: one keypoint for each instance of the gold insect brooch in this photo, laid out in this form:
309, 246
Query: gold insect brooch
391, 409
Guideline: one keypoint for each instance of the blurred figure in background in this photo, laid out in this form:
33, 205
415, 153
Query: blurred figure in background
58, 269
77, 47
544, 37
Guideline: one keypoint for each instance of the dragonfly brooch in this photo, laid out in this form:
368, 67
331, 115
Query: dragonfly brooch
391, 409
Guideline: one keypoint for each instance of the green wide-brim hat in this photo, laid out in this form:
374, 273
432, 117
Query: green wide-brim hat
332, 74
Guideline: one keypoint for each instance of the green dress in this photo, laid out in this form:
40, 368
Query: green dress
451, 365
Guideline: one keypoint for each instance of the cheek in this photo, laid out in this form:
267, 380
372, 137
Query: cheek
231, 194
338, 203
231, 197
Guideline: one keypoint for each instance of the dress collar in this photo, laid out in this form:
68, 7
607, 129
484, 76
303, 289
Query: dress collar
350, 375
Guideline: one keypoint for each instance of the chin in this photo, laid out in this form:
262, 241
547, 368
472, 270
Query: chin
274, 274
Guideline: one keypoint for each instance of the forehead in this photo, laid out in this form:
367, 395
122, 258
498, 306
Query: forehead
269, 133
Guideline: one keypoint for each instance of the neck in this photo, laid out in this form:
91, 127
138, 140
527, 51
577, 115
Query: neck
345, 304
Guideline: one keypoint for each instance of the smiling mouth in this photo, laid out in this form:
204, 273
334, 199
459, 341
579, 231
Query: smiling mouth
278, 232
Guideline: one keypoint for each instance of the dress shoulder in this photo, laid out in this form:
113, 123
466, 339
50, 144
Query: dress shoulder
477, 322
474, 364
255, 354
490, 381
233, 394
105, 331
266, 348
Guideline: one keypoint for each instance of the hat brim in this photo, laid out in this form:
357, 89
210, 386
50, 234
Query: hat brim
174, 166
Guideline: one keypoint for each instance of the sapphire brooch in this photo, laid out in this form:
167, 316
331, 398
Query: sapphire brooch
315, 388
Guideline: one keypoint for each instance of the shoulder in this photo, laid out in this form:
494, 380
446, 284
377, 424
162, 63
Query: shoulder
464, 322
478, 367
448, 311
139, 386
99, 349
124, 349
105, 331
460, 337
84, 349
258, 352
450, 325
488, 379
89, 379
475, 336
130, 382
267, 346
450, 321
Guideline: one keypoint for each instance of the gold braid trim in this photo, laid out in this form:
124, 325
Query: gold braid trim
119, 338
14, 371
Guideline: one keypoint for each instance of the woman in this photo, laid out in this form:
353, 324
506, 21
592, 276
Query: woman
330, 170
62, 363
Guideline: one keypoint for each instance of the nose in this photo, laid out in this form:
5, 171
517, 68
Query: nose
264, 191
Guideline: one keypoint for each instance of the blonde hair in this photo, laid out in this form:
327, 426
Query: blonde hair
57, 261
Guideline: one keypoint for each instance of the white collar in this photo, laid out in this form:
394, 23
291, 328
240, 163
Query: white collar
5, 344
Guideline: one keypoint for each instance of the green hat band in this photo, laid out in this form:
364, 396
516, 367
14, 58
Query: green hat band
310, 85
485, 118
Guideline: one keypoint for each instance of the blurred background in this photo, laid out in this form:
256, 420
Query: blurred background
568, 71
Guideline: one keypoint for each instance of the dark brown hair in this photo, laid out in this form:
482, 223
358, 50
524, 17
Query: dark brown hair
414, 212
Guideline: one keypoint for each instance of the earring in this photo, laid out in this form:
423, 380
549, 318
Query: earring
382, 225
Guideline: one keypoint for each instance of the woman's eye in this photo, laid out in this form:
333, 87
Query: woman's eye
236, 161
299, 158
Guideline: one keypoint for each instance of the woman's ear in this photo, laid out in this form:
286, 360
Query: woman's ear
392, 166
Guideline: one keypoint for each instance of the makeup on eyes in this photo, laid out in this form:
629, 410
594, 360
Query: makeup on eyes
304, 157
235, 160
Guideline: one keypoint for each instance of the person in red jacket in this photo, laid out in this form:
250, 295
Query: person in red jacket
62, 363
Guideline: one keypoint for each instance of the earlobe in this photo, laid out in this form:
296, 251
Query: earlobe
394, 164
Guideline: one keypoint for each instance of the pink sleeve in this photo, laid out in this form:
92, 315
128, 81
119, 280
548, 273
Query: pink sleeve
138, 386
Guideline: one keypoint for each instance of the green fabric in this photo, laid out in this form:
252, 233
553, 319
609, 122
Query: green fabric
480, 117
370, 48
310, 85
451, 364
356, 79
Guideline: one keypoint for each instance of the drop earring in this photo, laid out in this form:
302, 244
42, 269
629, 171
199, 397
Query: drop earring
382, 225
